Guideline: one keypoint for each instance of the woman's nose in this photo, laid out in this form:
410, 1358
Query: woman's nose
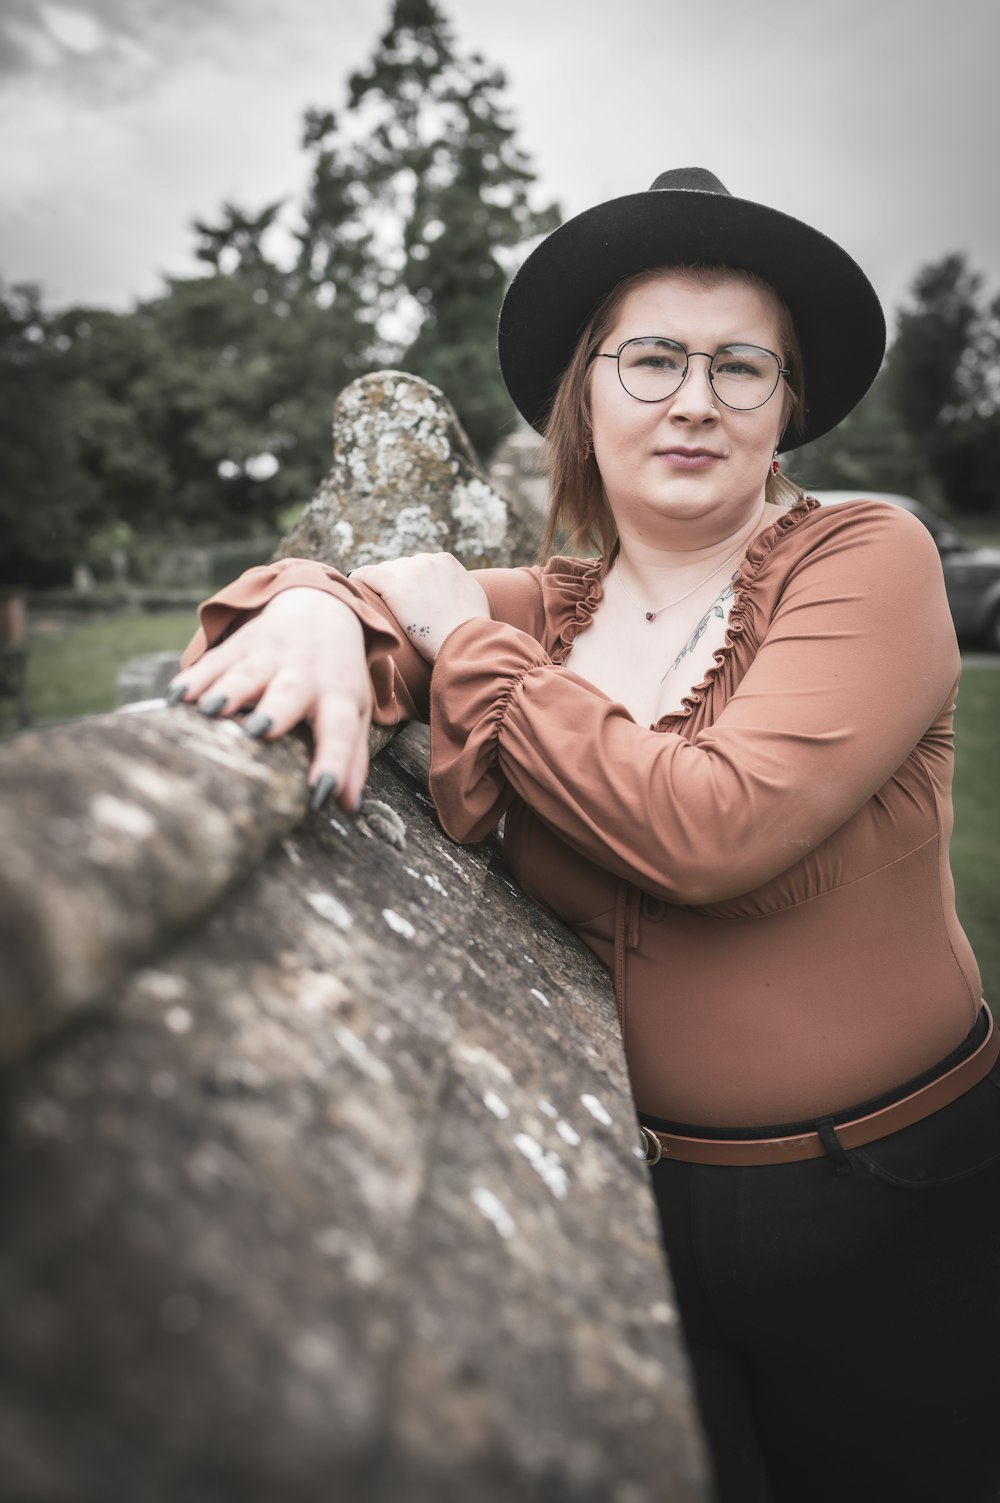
695, 397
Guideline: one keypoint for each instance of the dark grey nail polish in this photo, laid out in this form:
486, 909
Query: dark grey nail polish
176, 693
212, 705
320, 791
257, 725
357, 807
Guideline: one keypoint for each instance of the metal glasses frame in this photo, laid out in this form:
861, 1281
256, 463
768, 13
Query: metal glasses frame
783, 370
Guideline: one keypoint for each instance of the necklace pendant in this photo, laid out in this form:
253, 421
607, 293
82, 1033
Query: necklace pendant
650, 615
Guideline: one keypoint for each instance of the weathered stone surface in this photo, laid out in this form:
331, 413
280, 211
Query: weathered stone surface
405, 479
115, 831
338, 1197
324, 1182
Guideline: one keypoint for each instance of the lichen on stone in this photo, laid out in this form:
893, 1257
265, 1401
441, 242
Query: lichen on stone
404, 479
382, 821
481, 516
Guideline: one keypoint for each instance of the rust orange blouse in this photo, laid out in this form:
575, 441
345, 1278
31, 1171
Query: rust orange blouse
765, 872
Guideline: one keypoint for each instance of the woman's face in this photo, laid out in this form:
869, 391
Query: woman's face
688, 457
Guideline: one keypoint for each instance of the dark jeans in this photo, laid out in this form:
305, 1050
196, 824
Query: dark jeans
844, 1327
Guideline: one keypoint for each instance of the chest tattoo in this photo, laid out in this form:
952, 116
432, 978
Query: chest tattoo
718, 610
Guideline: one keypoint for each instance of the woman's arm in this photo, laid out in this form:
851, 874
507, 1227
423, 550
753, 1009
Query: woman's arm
401, 674
298, 641
856, 663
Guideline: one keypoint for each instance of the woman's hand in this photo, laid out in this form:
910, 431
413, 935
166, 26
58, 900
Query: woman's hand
429, 594
301, 658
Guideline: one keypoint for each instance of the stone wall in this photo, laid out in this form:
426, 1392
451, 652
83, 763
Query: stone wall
320, 1175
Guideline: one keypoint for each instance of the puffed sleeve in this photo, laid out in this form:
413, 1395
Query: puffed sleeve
855, 663
400, 675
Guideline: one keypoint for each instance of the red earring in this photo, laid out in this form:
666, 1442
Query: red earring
775, 467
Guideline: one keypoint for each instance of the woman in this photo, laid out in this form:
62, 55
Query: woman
723, 748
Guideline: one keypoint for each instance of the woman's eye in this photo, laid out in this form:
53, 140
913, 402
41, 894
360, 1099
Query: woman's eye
741, 364
653, 357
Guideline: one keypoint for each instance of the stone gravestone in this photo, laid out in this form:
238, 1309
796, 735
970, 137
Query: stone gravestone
320, 1176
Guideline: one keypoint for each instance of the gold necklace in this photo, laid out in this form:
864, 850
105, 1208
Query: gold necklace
652, 615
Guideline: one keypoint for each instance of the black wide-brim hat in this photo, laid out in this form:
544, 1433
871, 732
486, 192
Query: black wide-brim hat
687, 217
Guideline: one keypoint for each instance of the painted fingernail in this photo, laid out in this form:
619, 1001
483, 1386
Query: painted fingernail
357, 807
212, 705
320, 791
257, 725
176, 693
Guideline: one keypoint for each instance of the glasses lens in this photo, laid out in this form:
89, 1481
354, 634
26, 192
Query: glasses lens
651, 369
744, 376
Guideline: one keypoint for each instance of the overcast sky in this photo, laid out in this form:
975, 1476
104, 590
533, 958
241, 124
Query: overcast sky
874, 120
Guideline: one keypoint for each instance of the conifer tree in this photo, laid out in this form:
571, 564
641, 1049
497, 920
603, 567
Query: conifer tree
439, 178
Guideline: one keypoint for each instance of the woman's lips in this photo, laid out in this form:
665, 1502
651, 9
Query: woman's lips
688, 459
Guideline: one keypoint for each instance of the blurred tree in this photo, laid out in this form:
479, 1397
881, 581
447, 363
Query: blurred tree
173, 414
236, 244
206, 411
871, 450
209, 402
339, 264
934, 342
930, 425
43, 499
268, 345
438, 149
944, 375
109, 365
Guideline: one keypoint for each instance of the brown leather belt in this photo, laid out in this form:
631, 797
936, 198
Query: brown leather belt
809, 1145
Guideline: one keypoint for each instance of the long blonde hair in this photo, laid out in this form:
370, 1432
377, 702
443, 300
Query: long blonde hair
579, 513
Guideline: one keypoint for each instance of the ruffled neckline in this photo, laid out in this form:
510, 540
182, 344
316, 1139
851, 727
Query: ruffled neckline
572, 589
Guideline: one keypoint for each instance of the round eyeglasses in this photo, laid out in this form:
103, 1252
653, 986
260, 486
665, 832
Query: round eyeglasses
743, 376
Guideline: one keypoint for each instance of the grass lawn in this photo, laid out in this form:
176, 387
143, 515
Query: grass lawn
73, 671
975, 846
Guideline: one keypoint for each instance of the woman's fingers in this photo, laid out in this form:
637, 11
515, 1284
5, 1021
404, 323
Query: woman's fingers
188, 686
282, 698
285, 697
357, 773
237, 688
340, 758
237, 668
301, 658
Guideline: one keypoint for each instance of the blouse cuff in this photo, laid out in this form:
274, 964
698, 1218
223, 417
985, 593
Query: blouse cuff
238, 601
476, 674
399, 675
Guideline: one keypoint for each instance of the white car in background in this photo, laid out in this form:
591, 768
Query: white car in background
971, 575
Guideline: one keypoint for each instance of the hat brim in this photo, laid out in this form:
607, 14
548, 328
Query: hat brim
835, 310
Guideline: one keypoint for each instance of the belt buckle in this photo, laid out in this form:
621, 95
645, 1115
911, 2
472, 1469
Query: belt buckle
652, 1146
